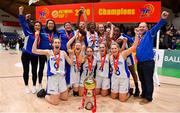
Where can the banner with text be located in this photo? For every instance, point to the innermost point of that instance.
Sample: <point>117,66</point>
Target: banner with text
<point>102,12</point>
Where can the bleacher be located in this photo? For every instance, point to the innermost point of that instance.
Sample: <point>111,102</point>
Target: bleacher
<point>10,35</point>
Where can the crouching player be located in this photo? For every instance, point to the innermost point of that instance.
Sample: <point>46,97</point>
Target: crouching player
<point>120,74</point>
<point>56,84</point>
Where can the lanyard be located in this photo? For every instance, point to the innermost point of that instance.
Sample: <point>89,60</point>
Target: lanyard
<point>57,59</point>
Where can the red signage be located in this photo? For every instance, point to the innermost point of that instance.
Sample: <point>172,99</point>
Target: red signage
<point>117,12</point>
<point>10,23</point>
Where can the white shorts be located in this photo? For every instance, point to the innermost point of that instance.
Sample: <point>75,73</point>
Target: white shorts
<point>102,82</point>
<point>56,84</point>
<point>119,85</point>
<point>130,60</point>
<point>75,79</point>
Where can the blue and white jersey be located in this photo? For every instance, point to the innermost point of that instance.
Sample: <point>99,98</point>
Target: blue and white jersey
<point>51,65</point>
<point>103,72</point>
<point>122,69</point>
<point>85,68</point>
<point>74,69</point>
<point>95,44</point>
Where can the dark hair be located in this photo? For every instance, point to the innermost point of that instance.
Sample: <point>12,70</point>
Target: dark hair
<point>88,25</point>
<point>46,28</point>
<point>66,23</point>
<point>33,30</point>
<point>98,29</point>
<point>55,39</point>
<point>90,48</point>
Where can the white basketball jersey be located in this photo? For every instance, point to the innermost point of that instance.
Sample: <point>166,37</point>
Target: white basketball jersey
<point>52,64</point>
<point>103,72</point>
<point>74,69</point>
<point>85,67</point>
<point>122,69</point>
<point>95,44</point>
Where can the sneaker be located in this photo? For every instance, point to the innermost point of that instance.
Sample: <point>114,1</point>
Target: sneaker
<point>27,90</point>
<point>144,101</point>
<point>34,89</point>
<point>136,93</point>
<point>131,91</point>
<point>40,87</point>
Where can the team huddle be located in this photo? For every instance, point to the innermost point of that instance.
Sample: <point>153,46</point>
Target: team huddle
<point>91,50</point>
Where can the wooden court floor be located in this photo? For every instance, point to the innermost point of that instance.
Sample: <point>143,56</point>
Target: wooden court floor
<point>13,98</point>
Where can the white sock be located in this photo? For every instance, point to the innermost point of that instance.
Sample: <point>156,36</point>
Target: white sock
<point>34,89</point>
<point>27,90</point>
<point>40,86</point>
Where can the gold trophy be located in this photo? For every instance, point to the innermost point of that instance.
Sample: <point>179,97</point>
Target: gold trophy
<point>89,95</point>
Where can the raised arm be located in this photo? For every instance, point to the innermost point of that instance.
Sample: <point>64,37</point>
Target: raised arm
<point>112,30</point>
<point>34,48</point>
<point>71,41</point>
<point>85,17</point>
<point>127,52</point>
<point>69,60</point>
<point>23,22</point>
<point>161,23</point>
<point>78,17</point>
<point>129,38</point>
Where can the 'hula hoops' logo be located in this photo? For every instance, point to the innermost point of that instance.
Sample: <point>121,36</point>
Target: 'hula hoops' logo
<point>147,10</point>
<point>44,13</point>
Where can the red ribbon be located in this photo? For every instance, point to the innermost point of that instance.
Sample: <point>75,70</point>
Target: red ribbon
<point>94,95</point>
<point>101,38</point>
<point>103,59</point>
<point>68,36</point>
<point>50,37</point>
<point>90,64</point>
<point>93,38</point>
<point>84,98</point>
<point>115,61</point>
<point>57,59</point>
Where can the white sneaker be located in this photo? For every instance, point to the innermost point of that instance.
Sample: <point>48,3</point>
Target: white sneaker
<point>34,89</point>
<point>27,90</point>
<point>40,86</point>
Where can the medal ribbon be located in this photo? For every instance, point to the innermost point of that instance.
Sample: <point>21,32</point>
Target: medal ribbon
<point>115,61</point>
<point>57,59</point>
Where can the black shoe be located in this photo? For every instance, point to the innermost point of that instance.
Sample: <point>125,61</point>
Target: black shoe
<point>131,91</point>
<point>41,93</point>
<point>144,101</point>
<point>142,96</point>
<point>136,94</point>
<point>75,93</point>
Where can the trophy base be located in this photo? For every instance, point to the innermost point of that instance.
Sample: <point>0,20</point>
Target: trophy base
<point>89,106</point>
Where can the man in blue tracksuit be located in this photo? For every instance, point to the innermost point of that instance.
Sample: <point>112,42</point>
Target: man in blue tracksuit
<point>145,55</point>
